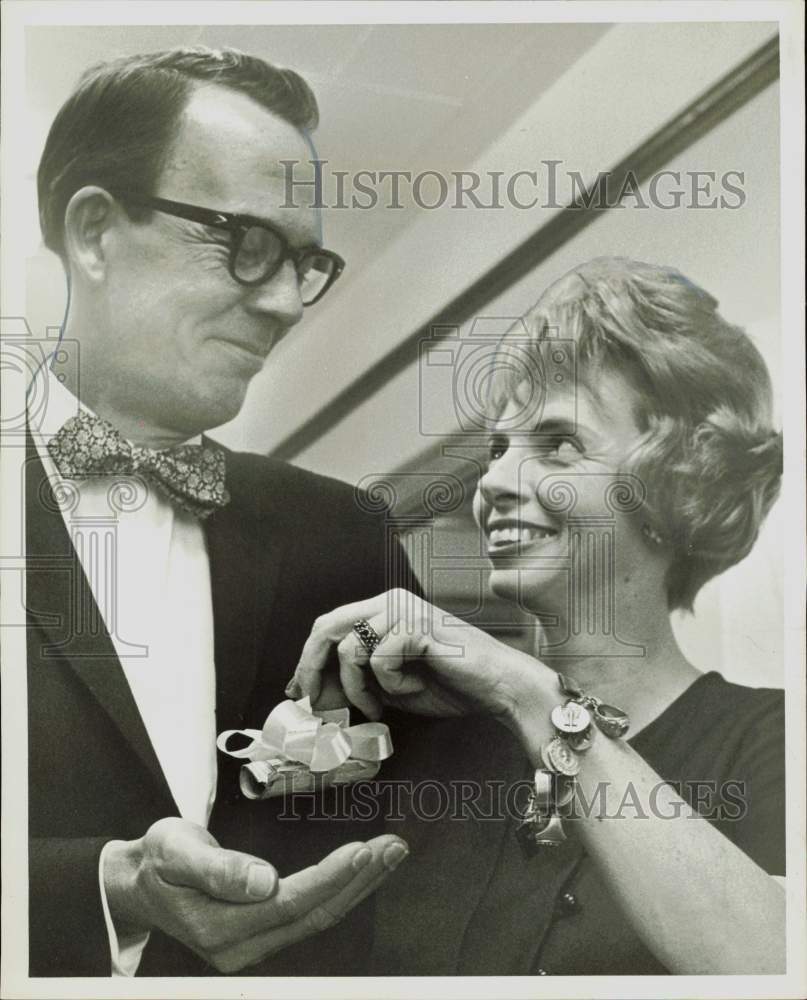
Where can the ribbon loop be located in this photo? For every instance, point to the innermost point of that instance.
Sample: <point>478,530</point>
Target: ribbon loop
<point>300,750</point>
<point>370,741</point>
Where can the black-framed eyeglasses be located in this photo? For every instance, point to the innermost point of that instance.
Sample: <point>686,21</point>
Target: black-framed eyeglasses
<point>257,249</point>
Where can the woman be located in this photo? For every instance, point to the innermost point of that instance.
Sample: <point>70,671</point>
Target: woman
<point>609,500</point>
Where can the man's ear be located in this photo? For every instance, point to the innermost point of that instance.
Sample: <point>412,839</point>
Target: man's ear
<point>89,215</point>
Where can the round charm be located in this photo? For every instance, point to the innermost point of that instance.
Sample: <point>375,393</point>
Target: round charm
<point>545,758</point>
<point>611,721</point>
<point>561,757</point>
<point>571,717</point>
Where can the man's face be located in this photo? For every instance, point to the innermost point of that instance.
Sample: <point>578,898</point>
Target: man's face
<point>183,338</point>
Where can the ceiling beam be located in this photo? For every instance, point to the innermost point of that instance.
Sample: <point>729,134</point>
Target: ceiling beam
<point>731,92</point>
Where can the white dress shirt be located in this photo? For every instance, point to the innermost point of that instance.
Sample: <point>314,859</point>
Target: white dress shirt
<point>151,583</point>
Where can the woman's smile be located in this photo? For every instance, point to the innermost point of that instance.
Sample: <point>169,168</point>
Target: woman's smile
<point>511,537</point>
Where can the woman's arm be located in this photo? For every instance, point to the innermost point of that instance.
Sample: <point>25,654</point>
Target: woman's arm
<point>699,903</point>
<point>696,900</point>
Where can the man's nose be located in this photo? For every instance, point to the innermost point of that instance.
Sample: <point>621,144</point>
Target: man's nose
<point>279,297</point>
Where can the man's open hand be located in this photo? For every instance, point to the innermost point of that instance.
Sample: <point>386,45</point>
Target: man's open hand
<point>232,908</point>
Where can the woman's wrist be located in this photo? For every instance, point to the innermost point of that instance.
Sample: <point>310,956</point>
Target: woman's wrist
<point>528,713</point>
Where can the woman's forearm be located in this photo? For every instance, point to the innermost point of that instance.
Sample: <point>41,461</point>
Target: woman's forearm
<point>696,900</point>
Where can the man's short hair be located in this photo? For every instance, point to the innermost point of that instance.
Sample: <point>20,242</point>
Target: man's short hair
<point>116,129</point>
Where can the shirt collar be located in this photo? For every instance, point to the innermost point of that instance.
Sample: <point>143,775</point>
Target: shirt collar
<point>51,404</point>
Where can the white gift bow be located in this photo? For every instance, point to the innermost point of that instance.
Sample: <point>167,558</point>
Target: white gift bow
<point>299,749</point>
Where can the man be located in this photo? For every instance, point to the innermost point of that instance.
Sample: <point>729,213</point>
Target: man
<point>160,189</point>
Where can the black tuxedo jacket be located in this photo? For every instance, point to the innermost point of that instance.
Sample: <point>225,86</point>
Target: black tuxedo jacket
<point>289,546</point>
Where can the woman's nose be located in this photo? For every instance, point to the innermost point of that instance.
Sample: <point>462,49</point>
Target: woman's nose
<point>506,481</point>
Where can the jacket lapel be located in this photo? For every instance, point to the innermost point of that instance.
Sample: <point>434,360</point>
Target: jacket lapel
<point>245,546</point>
<point>65,622</point>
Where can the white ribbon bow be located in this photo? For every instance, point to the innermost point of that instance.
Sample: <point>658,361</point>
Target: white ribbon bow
<point>299,750</point>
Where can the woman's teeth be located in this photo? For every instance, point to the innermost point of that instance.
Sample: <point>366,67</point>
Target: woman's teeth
<point>507,536</point>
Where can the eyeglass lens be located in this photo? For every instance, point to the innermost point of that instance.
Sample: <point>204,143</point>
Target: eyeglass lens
<point>260,253</point>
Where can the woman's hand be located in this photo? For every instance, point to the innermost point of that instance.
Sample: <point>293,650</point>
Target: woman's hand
<point>428,662</point>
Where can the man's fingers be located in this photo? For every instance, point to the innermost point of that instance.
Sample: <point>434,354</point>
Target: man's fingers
<point>185,854</point>
<point>214,899</point>
<point>349,868</point>
<point>249,952</point>
<point>387,853</point>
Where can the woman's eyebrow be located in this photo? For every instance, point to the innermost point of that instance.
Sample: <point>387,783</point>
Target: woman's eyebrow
<point>560,426</point>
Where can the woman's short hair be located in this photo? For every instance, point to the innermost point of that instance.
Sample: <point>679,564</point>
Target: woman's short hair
<point>116,128</point>
<point>709,457</point>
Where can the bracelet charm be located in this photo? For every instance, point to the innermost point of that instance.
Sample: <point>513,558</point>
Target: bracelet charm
<point>571,717</point>
<point>559,757</point>
<point>612,722</point>
<point>575,721</point>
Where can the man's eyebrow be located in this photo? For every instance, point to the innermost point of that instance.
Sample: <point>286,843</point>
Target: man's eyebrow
<point>270,224</point>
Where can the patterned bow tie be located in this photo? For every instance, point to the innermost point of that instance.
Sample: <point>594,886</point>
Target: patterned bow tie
<point>191,476</point>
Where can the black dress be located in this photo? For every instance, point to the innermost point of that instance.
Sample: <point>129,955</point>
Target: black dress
<point>468,901</point>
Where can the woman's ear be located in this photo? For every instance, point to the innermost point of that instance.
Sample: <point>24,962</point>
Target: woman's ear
<point>89,214</point>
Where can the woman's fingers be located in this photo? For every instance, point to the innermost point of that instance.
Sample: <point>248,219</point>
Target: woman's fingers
<point>356,676</point>
<point>362,671</point>
<point>327,630</point>
<point>391,663</point>
<point>402,622</point>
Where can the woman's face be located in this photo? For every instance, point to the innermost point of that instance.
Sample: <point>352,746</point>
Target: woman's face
<point>558,517</point>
